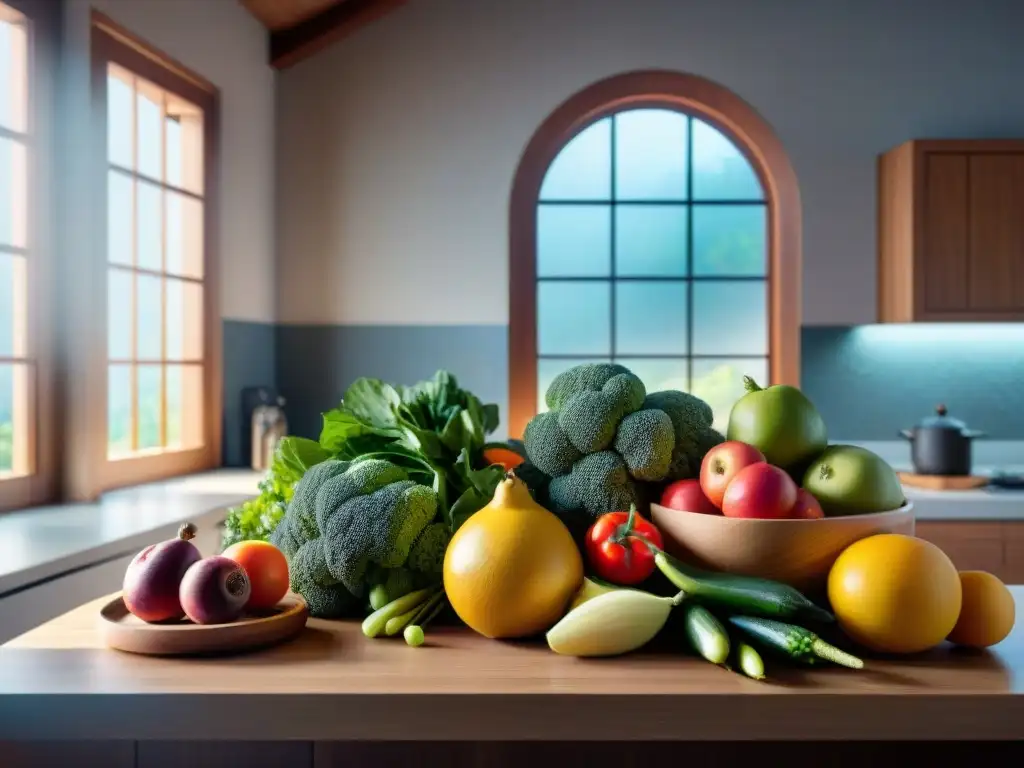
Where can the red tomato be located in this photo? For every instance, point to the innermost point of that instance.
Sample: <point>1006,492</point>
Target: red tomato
<point>614,551</point>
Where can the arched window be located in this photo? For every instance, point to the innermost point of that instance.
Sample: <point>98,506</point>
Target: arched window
<point>655,222</point>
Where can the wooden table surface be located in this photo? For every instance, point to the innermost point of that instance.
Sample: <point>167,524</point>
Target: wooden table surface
<point>58,681</point>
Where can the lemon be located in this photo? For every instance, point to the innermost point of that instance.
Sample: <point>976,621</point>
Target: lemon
<point>987,613</point>
<point>895,594</point>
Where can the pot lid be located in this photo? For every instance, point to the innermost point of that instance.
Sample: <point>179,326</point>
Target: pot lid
<point>941,421</point>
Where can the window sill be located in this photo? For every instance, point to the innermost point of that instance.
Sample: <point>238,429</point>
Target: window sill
<point>42,543</point>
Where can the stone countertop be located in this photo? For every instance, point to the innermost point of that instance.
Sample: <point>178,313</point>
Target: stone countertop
<point>43,542</point>
<point>58,681</point>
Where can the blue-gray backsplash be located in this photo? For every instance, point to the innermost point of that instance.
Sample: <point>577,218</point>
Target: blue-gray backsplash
<point>868,381</point>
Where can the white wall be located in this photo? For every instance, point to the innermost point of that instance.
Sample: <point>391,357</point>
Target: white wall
<point>219,40</point>
<point>397,147</point>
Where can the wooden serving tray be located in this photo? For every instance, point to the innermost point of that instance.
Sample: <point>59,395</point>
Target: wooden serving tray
<point>943,482</point>
<point>122,630</point>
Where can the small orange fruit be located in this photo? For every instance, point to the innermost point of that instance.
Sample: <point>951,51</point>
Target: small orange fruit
<point>267,568</point>
<point>987,613</point>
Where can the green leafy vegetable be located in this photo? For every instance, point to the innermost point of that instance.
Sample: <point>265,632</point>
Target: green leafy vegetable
<point>256,518</point>
<point>434,429</point>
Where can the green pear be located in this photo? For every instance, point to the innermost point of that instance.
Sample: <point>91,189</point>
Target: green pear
<point>850,480</point>
<point>781,422</point>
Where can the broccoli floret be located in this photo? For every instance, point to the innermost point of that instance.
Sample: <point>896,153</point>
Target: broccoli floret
<point>688,412</point>
<point>547,447</point>
<point>345,517</point>
<point>301,514</point>
<point>691,420</point>
<point>310,577</point>
<point>645,440</point>
<point>595,377</point>
<point>598,483</point>
<point>591,400</point>
<point>427,555</point>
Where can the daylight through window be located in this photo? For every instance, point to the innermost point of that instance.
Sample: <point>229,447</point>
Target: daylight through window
<point>155,268</point>
<point>17,366</point>
<point>652,252</point>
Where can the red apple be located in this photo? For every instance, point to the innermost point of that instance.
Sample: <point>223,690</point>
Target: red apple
<point>687,496</point>
<point>721,464</point>
<point>760,490</point>
<point>806,507</point>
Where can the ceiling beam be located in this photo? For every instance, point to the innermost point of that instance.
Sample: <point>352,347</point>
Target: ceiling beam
<point>292,45</point>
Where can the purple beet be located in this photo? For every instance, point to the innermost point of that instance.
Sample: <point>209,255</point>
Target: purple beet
<point>215,590</point>
<point>153,577</point>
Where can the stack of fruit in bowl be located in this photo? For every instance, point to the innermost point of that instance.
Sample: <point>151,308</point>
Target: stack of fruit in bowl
<point>775,500</point>
<point>777,464</point>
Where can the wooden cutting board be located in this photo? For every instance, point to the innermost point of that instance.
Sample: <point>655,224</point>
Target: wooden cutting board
<point>943,482</point>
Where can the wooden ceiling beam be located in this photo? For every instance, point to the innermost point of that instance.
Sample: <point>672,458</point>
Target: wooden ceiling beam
<point>292,45</point>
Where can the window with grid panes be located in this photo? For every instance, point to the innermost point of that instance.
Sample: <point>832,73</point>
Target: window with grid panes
<point>652,252</point>
<point>17,363</point>
<point>155,269</point>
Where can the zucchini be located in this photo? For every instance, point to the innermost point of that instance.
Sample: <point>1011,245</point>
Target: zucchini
<point>795,642</point>
<point>745,594</point>
<point>706,634</point>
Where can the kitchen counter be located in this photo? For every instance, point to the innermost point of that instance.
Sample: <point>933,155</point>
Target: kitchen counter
<point>42,543</point>
<point>330,683</point>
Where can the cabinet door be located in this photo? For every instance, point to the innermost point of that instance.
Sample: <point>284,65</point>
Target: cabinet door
<point>971,546</point>
<point>995,277</point>
<point>945,220</point>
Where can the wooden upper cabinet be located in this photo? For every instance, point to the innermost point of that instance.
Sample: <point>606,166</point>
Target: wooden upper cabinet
<point>951,232</point>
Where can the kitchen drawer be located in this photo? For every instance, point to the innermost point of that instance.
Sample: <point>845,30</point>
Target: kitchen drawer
<point>971,546</point>
<point>1013,553</point>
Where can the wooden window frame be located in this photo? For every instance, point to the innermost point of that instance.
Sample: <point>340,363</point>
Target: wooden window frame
<point>94,471</point>
<point>709,102</point>
<point>40,484</point>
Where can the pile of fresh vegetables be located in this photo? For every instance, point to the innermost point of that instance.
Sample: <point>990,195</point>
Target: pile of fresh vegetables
<point>724,618</point>
<point>365,513</point>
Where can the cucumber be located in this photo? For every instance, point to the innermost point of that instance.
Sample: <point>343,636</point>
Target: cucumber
<point>795,642</point>
<point>706,634</point>
<point>745,594</point>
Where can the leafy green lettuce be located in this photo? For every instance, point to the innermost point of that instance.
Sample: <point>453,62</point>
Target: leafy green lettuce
<point>257,518</point>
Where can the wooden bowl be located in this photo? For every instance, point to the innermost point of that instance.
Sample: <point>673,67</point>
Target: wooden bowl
<point>797,552</point>
<point>122,630</point>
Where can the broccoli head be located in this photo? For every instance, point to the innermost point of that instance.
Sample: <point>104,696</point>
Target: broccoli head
<point>360,513</point>
<point>606,443</point>
<point>427,555</point>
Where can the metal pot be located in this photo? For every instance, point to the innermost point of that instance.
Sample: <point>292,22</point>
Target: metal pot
<point>941,445</point>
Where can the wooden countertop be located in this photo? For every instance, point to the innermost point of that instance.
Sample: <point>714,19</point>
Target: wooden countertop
<point>59,682</point>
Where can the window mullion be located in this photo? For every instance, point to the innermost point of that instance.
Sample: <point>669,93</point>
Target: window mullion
<point>133,385</point>
<point>163,269</point>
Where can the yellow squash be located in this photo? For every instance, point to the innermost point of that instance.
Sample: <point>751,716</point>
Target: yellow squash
<point>512,568</point>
